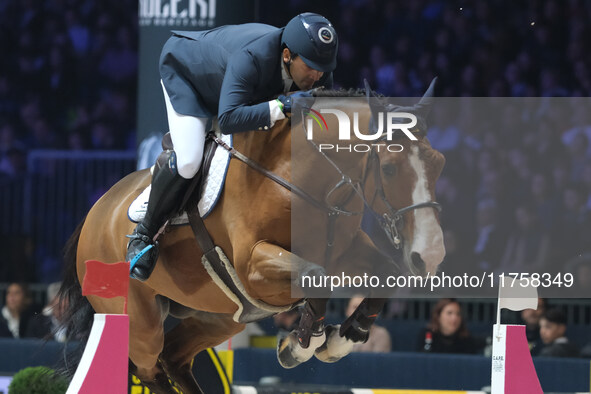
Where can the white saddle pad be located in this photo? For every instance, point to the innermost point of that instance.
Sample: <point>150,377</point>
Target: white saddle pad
<point>212,189</point>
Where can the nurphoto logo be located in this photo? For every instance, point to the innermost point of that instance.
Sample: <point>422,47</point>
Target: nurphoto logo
<point>387,124</point>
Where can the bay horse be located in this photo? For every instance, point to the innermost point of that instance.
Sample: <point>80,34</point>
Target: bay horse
<point>253,224</point>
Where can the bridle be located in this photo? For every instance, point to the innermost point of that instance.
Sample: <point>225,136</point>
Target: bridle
<point>391,221</point>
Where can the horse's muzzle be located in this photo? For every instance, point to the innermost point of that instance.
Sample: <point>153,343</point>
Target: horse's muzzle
<point>418,266</point>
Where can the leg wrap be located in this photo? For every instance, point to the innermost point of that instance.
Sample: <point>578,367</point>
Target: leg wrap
<point>311,325</point>
<point>356,327</point>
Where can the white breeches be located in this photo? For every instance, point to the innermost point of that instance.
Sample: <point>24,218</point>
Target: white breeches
<point>188,138</point>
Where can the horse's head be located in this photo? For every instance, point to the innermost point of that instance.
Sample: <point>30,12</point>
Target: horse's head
<point>404,188</point>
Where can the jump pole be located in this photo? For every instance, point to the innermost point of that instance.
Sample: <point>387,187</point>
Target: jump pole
<point>513,370</point>
<point>103,367</point>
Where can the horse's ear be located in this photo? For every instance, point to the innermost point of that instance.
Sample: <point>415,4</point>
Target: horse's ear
<point>368,92</point>
<point>374,105</point>
<point>423,107</point>
<point>374,101</point>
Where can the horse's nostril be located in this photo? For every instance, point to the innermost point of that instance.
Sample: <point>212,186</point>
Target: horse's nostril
<point>418,265</point>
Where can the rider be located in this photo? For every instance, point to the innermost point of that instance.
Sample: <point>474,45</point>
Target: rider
<point>232,72</point>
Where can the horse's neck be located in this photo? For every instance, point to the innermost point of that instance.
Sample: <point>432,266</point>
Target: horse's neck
<point>263,146</point>
<point>285,151</point>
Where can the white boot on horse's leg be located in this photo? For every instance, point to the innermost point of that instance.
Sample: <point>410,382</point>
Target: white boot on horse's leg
<point>299,346</point>
<point>290,352</point>
<point>335,347</point>
<point>355,329</point>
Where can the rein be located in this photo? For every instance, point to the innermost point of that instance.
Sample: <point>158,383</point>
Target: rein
<point>274,177</point>
<point>391,222</point>
<point>332,211</point>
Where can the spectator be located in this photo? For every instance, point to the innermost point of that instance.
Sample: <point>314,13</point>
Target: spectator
<point>545,205</point>
<point>528,245</point>
<point>46,324</point>
<point>379,340</point>
<point>531,318</point>
<point>4,331</point>
<point>552,333</point>
<point>447,332</point>
<point>285,322</point>
<point>7,136</point>
<point>119,62</point>
<point>17,312</point>
<point>573,224</point>
<point>444,135</point>
<point>490,238</point>
<point>578,155</point>
<point>580,268</point>
<point>14,163</point>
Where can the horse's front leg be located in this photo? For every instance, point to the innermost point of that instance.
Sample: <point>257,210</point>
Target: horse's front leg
<point>274,275</point>
<point>146,337</point>
<point>196,332</point>
<point>340,339</point>
<point>361,258</point>
<point>302,343</point>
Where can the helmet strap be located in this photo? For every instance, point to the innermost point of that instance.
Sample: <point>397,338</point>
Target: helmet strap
<point>287,64</point>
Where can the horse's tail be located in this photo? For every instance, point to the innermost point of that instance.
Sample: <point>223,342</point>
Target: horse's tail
<point>77,313</point>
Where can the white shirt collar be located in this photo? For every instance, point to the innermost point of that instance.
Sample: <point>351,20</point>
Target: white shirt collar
<point>12,322</point>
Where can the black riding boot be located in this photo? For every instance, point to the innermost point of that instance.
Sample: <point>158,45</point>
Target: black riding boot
<point>168,188</point>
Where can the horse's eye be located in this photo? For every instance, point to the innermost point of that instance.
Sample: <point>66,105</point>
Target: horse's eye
<point>389,169</point>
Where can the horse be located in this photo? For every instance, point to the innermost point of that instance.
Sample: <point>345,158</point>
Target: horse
<point>253,225</point>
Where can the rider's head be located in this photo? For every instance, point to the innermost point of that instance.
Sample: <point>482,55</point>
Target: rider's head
<point>310,46</point>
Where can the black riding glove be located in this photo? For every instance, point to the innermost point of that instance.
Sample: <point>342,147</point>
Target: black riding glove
<point>285,102</point>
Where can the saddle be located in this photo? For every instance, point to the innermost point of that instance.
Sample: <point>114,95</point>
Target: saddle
<point>206,190</point>
<point>216,263</point>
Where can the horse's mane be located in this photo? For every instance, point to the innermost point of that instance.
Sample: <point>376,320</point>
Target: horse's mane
<point>342,93</point>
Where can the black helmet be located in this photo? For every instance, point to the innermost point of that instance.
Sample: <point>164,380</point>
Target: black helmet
<point>312,37</point>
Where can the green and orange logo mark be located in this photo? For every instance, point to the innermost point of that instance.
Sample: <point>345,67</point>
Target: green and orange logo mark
<point>317,118</point>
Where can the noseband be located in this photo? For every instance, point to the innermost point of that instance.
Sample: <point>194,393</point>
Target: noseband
<point>392,221</point>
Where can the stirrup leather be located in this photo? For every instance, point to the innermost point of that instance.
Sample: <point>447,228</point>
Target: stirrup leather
<point>135,235</point>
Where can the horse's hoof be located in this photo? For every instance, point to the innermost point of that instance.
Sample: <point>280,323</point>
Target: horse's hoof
<point>335,347</point>
<point>291,354</point>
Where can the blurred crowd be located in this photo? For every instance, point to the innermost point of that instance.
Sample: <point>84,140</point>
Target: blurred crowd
<point>21,317</point>
<point>514,197</point>
<point>516,189</point>
<point>447,330</point>
<point>68,77</point>
<point>477,48</point>
<point>69,72</point>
